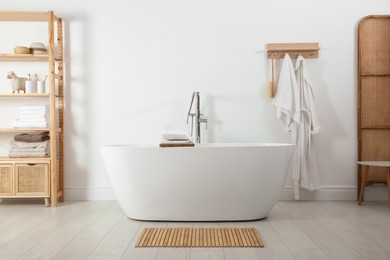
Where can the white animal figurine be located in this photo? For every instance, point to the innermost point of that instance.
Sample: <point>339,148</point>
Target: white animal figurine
<point>17,83</point>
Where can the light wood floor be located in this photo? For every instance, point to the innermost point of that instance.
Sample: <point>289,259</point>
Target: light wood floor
<point>99,230</point>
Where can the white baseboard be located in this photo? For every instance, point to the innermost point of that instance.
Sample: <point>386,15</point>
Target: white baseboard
<point>337,192</point>
<point>82,193</point>
<point>334,192</point>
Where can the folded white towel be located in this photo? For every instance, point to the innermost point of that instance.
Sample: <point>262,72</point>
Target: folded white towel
<point>20,124</point>
<point>34,108</point>
<point>175,136</point>
<point>26,150</point>
<point>33,113</point>
<point>15,144</point>
<point>165,141</point>
<point>27,154</point>
<point>34,149</point>
<point>33,120</point>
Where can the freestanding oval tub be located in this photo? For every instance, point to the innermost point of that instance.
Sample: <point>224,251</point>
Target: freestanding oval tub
<point>208,182</point>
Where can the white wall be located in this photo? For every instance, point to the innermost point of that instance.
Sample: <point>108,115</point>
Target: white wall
<point>131,67</point>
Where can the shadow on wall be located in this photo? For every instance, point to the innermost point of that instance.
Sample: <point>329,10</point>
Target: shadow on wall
<point>212,118</point>
<point>231,122</point>
<point>77,104</point>
<point>327,141</point>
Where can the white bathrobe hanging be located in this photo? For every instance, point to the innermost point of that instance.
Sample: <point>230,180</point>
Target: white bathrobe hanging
<point>305,170</point>
<point>303,167</point>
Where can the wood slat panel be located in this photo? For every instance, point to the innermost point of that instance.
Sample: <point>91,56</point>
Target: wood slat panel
<point>140,242</point>
<point>199,237</point>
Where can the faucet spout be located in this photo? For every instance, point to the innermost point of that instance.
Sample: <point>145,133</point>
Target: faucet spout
<point>197,117</point>
<point>189,110</point>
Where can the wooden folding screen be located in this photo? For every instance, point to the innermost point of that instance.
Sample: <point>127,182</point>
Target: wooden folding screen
<point>374,94</point>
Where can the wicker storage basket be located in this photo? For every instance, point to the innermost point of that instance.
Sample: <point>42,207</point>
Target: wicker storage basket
<point>6,179</point>
<point>32,179</point>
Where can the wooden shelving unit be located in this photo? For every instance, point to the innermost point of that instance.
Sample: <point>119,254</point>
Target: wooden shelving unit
<point>45,173</point>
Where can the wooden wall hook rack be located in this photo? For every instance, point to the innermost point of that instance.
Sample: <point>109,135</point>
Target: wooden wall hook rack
<point>308,50</point>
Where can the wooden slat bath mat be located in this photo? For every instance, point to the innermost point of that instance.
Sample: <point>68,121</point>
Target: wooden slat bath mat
<point>199,237</point>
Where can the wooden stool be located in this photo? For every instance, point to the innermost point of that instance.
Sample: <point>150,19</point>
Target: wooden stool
<point>366,165</point>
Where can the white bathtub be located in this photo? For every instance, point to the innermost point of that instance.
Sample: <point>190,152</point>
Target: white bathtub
<point>208,182</point>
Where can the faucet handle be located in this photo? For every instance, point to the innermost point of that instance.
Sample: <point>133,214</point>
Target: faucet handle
<point>203,120</point>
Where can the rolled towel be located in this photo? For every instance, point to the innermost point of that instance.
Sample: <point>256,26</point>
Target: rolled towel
<point>32,137</point>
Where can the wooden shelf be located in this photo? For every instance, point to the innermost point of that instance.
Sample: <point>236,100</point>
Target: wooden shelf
<point>25,16</point>
<point>19,130</point>
<point>22,95</point>
<point>24,57</point>
<point>6,158</point>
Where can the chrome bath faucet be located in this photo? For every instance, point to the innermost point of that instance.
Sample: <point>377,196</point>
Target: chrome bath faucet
<point>196,118</point>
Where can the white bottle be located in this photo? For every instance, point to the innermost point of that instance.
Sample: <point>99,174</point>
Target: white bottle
<point>29,85</point>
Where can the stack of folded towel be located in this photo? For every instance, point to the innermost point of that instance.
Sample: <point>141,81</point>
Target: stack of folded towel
<point>175,135</point>
<point>30,145</point>
<point>176,142</point>
<point>30,138</point>
<point>33,116</point>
